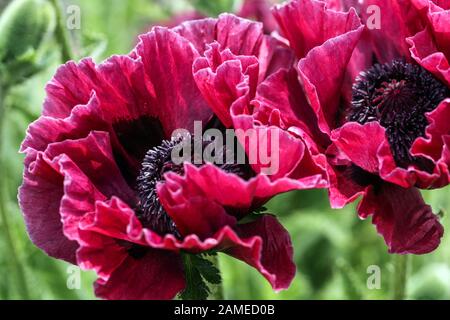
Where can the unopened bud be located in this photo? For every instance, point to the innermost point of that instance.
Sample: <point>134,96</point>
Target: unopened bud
<point>24,25</point>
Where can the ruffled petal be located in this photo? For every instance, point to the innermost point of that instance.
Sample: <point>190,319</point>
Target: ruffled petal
<point>39,199</point>
<point>236,195</point>
<point>127,269</point>
<point>323,81</point>
<point>240,36</point>
<point>361,143</point>
<point>347,181</point>
<point>435,144</point>
<point>424,4</point>
<point>439,127</point>
<point>415,175</point>
<point>79,197</point>
<point>367,147</point>
<point>279,154</point>
<point>398,19</point>
<point>199,32</point>
<point>167,59</point>
<point>224,78</point>
<point>282,92</point>
<point>407,224</point>
<point>63,184</point>
<point>424,52</point>
<point>259,10</point>
<point>277,142</point>
<point>263,243</point>
<point>94,156</point>
<point>308,24</point>
<point>156,276</point>
<point>266,246</point>
<point>138,110</point>
<point>71,85</point>
<point>117,82</point>
<point>130,140</point>
<point>118,105</point>
<point>193,213</point>
<point>439,20</point>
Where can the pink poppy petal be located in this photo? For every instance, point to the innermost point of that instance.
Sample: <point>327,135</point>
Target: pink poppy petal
<point>224,78</point>
<point>237,196</point>
<point>259,10</point>
<point>39,199</point>
<point>308,24</point>
<point>93,155</point>
<point>360,143</point>
<point>156,276</point>
<point>424,52</point>
<point>323,81</point>
<point>167,58</point>
<point>407,224</point>
<point>266,246</point>
<point>282,91</point>
<point>240,36</point>
<point>347,182</point>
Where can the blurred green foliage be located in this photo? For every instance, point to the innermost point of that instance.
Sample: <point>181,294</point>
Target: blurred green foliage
<point>333,249</point>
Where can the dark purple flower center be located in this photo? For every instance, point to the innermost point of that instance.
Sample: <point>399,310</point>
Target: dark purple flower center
<point>157,162</point>
<point>398,95</point>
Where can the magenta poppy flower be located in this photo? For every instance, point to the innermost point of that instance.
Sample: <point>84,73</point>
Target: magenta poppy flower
<point>100,189</point>
<point>374,101</point>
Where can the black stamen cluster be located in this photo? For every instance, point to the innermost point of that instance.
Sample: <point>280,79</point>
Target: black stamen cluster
<point>397,95</point>
<point>156,163</point>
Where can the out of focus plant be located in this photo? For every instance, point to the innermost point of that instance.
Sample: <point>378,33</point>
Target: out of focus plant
<point>213,7</point>
<point>25,26</point>
<point>431,283</point>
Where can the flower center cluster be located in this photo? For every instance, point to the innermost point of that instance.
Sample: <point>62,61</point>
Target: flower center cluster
<point>397,95</point>
<point>157,162</point>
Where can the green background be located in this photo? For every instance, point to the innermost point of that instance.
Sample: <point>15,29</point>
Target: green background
<point>333,249</point>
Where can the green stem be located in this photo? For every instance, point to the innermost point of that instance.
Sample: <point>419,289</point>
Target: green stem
<point>217,289</point>
<point>4,199</point>
<point>401,265</point>
<point>62,35</point>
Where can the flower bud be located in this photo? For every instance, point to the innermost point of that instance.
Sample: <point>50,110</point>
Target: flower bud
<point>24,25</point>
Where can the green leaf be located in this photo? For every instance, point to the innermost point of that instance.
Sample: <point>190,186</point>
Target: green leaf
<point>198,272</point>
<point>207,269</point>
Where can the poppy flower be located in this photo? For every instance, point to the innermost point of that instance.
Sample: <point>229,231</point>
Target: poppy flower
<point>374,101</point>
<point>100,189</point>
